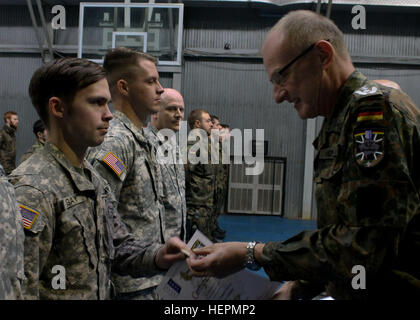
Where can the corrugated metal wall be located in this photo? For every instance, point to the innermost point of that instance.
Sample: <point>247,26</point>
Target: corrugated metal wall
<point>15,74</point>
<point>240,95</point>
<point>238,90</point>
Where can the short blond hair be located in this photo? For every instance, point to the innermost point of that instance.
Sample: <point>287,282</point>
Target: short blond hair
<point>8,115</point>
<point>196,114</point>
<point>302,28</point>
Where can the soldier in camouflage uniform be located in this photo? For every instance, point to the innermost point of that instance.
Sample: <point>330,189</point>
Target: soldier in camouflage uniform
<point>200,176</point>
<point>68,210</point>
<point>11,244</point>
<point>221,178</point>
<point>168,155</point>
<point>366,174</point>
<point>40,132</point>
<point>8,141</point>
<point>126,160</point>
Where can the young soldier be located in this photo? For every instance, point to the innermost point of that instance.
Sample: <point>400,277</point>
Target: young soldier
<point>68,211</point>
<point>8,141</point>
<point>200,178</point>
<point>40,132</point>
<point>135,89</point>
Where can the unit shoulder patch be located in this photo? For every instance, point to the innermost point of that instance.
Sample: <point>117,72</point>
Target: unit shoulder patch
<point>368,146</point>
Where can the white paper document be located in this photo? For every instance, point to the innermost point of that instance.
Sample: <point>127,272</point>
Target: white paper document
<point>179,284</point>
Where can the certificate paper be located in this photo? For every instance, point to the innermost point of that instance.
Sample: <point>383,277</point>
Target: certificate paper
<point>179,284</point>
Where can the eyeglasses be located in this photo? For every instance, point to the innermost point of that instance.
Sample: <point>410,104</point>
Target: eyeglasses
<point>278,76</point>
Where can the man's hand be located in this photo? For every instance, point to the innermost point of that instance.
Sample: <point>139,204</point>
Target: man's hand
<point>285,292</point>
<point>172,251</point>
<point>219,259</point>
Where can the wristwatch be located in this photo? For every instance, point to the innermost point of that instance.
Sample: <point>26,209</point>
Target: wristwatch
<point>250,262</point>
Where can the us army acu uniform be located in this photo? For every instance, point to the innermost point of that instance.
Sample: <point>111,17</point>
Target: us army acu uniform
<point>70,220</point>
<point>34,148</point>
<point>200,183</point>
<point>126,161</point>
<point>367,190</point>
<point>8,148</point>
<point>11,244</point>
<point>172,175</point>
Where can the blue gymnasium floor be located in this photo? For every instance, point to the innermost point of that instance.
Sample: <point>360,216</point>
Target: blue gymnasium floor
<point>262,228</point>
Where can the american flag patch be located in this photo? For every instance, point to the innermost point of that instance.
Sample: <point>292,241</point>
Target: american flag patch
<point>28,216</point>
<point>114,163</point>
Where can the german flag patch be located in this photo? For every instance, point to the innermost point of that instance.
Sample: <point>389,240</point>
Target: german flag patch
<point>28,216</point>
<point>369,116</point>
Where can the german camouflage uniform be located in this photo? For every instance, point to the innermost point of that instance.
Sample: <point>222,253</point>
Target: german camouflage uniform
<point>368,183</point>
<point>11,244</point>
<point>70,219</point>
<point>136,185</point>
<point>222,172</point>
<point>35,147</point>
<point>173,182</point>
<point>200,183</point>
<point>8,148</point>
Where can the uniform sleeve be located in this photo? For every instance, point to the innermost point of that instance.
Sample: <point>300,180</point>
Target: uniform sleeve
<point>11,242</point>
<point>374,200</point>
<point>37,215</point>
<point>113,160</point>
<point>132,257</point>
<point>200,180</point>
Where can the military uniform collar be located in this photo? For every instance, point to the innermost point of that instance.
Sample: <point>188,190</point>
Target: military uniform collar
<point>153,130</point>
<point>340,111</point>
<point>353,82</point>
<point>138,133</point>
<point>11,131</point>
<point>80,181</point>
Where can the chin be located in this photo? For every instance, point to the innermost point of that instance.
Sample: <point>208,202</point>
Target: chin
<point>96,142</point>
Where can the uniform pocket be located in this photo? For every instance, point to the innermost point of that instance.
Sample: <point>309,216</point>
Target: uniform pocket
<point>327,163</point>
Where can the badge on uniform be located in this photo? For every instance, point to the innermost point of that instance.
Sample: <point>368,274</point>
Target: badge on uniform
<point>368,147</point>
<point>114,163</point>
<point>28,216</point>
<point>370,116</point>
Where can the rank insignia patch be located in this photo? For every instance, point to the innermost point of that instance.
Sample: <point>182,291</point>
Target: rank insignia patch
<point>114,163</point>
<point>28,216</point>
<point>368,147</point>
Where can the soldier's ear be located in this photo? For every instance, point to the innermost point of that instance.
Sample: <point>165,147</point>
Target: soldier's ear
<point>325,52</point>
<point>56,107</point>
<point>122,87</point>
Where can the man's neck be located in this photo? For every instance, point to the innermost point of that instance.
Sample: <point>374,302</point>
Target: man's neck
<point>139,120</point>
<point>338,77</point>
<point>74,153</point>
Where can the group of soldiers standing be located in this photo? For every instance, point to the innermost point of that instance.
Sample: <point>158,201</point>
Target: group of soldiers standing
<point>95,199</point>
